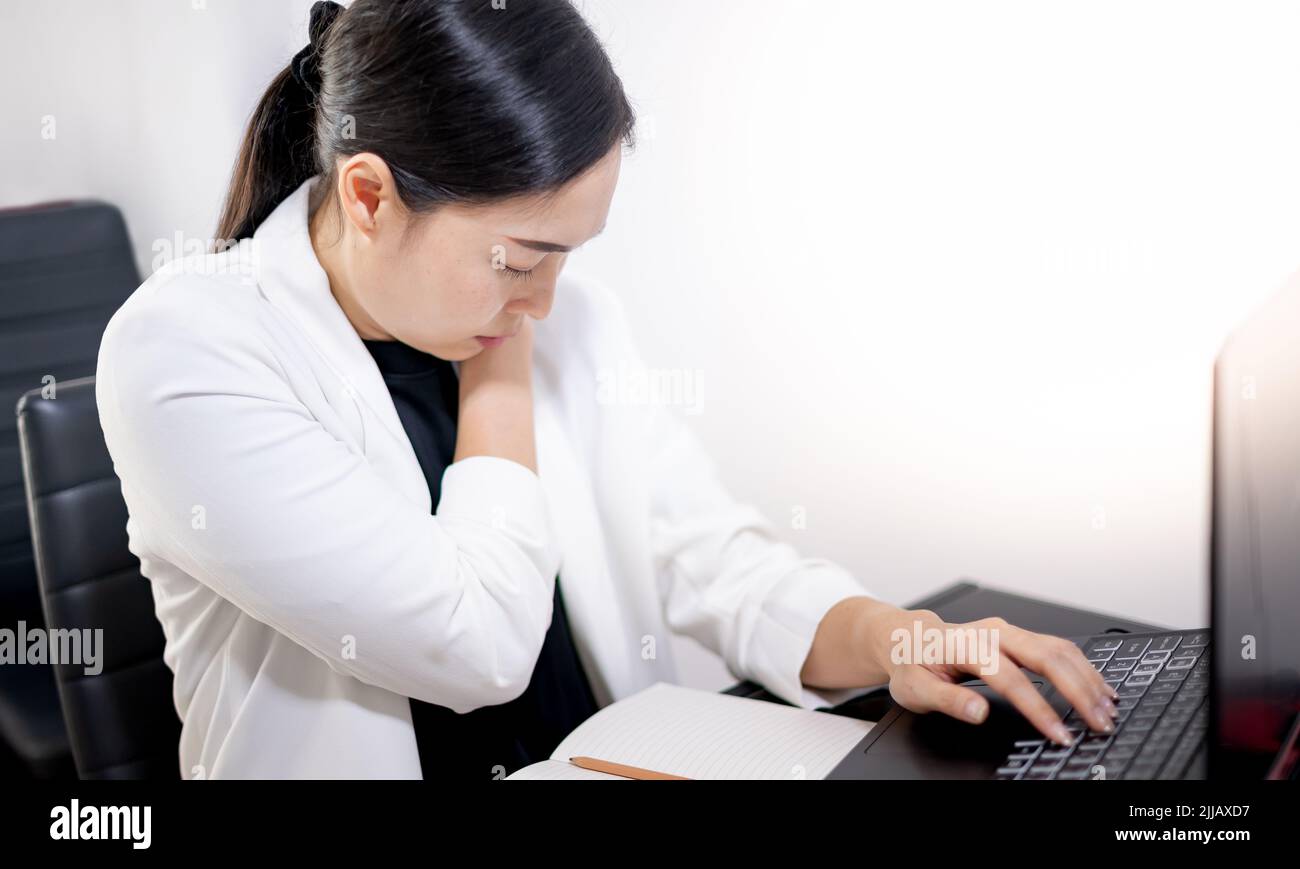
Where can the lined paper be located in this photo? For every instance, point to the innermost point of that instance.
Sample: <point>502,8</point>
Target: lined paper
<point>705,735</point>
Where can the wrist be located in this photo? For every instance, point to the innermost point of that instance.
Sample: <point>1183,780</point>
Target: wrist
<point>852,645</point>
<point>878,629</point>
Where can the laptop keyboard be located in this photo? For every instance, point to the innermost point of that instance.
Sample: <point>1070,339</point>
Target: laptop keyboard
<point>1163,684</point>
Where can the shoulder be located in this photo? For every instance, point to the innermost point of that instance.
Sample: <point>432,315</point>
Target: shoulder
<point>194,325</point>
<point>587,292</point>
<point>587,316</point>
<point>197,300</point>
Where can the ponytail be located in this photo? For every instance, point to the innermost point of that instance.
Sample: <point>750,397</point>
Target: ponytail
<point>279,149</point>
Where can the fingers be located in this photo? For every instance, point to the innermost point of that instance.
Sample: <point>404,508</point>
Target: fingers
<point>1016,687</point>
<point>921,690</point>
<point>932,687</point>
<point>1063,663</point>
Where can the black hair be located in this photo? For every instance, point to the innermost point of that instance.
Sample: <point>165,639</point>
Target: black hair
<point>467,101</point>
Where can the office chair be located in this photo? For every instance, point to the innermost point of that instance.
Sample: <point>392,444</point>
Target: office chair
<point>65,267</point>
<point>122,721</point>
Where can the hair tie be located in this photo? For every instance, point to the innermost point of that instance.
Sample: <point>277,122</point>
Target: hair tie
<point>305,66</point>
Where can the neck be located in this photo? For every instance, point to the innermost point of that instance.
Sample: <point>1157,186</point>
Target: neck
<point>337,265</point>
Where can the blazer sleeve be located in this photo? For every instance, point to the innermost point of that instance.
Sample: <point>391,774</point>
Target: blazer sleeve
<point>723,576</point>
<point>241,487</point>
<point>728,582</point>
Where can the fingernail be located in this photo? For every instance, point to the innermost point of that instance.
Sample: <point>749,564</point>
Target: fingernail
<point>1109,707</point>
<point>1061,734</point>
<point>975,711</point>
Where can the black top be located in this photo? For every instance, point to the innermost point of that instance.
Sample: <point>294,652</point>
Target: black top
<point>479,743</point>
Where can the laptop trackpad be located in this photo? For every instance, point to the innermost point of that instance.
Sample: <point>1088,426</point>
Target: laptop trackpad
<point>940,746</point>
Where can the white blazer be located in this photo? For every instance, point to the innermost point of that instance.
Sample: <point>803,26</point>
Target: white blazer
<point>305,587</point>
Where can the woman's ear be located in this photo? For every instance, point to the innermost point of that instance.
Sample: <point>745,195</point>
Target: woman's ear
<point>368,194</point>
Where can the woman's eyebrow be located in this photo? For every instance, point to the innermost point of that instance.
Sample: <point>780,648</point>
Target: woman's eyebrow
<point>547,246</point>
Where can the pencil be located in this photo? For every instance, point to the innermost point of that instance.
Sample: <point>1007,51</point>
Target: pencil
<point>622,769</point>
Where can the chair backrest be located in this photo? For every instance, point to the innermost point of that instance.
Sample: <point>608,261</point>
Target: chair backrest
<point>65,267</point>
<point>121,719</point>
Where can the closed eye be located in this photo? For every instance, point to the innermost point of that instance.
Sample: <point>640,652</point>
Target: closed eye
<point>517,274</point>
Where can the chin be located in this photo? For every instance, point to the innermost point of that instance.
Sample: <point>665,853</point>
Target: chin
<point>460,352</point>
<point>457,351</point>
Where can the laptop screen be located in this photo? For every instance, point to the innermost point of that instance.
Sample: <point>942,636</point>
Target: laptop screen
<point>1255,540</point>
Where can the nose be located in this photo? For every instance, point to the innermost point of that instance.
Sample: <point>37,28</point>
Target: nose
<point>535,299</point>
<point>536,303</point>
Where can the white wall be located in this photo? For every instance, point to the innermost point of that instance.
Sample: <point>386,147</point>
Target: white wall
<point>954,274</point>
<point>149,100</point>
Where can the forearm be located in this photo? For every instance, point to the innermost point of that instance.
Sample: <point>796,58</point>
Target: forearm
<point>496,402</point>
<point>851,645</point>
<point>496,419</point>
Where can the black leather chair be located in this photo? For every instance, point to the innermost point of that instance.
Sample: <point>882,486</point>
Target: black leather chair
<point>65,267</point>
<point>122,721</point>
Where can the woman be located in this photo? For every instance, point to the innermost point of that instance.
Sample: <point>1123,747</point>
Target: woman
<point>391,528</point>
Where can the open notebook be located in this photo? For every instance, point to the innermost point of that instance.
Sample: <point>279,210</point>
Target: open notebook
<point>703,735</point>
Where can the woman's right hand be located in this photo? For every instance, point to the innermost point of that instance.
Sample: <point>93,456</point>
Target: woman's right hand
<point>496,401</point>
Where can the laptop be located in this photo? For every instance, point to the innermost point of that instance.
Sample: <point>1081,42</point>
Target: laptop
<point>1221,702</point>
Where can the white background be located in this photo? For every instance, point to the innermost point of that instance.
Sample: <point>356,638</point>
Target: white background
<point>953,274</point>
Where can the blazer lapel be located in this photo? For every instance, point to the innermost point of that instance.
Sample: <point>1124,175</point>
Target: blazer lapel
<point>292,279</point>
<point>592,601</point>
